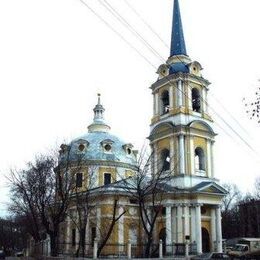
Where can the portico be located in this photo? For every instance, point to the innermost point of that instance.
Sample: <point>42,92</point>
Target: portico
<point>183,222</point>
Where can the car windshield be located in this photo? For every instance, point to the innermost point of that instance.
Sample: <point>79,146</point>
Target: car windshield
<point>239,248</point>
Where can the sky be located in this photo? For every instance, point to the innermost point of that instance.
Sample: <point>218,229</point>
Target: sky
<point>56,55</point>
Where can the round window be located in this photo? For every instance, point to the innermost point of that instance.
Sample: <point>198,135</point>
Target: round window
<point>108,147</point>
<point>81,147</point>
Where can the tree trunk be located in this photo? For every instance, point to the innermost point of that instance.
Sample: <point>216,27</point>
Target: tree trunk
<point>148,247</point>
<point>54,244</point>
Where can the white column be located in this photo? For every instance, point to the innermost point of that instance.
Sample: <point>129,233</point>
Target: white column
<point>203,100</point>
<point>121,226</point>
<point>207,107</point>
<point>98,222</point>
<point>193,224</point>
<point>154,105</point>
<point>155,157</point>
<point>212,159</point>
<point>180,101</point>
<point>198,228</point>
<point>174,224</point>
<point>87,236</point>
<point>172,155</point>
<point>68,234</point>
<point>189,98</point>
<point>171,95</point>
<point>168,227</point>
<point>179,224</point>
<point>186,214</point>
<point>181,154</point>
<point>192,158</point>
<point>218,230</point>
<point>208,158</point>
<point>213,228</point>
<point>156,101</point>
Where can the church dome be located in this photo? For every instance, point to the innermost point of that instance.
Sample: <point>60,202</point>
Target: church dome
<point>178,67</point>
<point>99,146</point>
<point>103,146</point>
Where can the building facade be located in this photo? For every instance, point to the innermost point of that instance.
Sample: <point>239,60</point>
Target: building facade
<point>182,131</point>
<point>182,143</point>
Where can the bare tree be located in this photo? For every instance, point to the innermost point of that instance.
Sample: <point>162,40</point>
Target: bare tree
<point>232,198</point>
<point>42,192</point>
<point>253,105</point>
<point>230,211</point>
<point>83,200</point>
<point>257,188</point>
<point>108,226</point>
<point>149,188</point>
<point>22,190</point>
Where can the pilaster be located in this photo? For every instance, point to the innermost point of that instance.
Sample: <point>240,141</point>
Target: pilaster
<point>181,154</point>
<point>179,224</point>
<point>169,226</point>
<point>198,228</point>
<point>213,229</point>
<point>180,96</point>
<point>219,231</point>
<point>209,157</point>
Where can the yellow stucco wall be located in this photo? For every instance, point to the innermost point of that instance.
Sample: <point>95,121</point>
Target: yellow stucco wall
<point>103,170</point>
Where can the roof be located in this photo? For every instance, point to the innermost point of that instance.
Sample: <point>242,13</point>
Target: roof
<point>178,46</point>
<point>99,144</point>
<point>208,187</point>
<point>95,151</point>
<point>178,67</point>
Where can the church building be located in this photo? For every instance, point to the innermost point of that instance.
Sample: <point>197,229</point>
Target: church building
<point>182,142</point>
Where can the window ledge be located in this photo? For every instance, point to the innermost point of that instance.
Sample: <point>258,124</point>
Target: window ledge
<point>201,173</point>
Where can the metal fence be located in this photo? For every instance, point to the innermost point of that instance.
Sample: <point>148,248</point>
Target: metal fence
<point>113,251</point>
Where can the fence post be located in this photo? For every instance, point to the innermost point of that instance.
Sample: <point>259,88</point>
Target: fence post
<point>186,248</point>
<point>160,249</point>
<point>95,248</point>
<point>129,253</point>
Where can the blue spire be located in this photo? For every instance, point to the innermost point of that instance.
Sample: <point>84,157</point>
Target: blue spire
<point>177,42</point>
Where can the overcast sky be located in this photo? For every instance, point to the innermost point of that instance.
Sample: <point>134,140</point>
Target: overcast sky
<point>55,56</point>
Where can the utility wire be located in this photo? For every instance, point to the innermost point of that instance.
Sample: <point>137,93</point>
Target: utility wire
<point>117,33</point>
<point>146,24</point>
<point>157,54</point>
<point>128,26</point>
<point>124,22</point>
<point>156,34</point>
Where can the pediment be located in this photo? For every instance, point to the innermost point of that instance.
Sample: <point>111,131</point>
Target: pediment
<point>209,187</point>
<point>200,125</point>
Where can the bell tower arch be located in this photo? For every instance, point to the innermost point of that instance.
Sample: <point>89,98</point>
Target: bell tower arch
<point>181,123</point>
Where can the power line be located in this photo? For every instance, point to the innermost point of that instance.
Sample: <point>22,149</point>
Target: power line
<point>128,26</point>
<point>146,24</point>
<point>117,33</point>
<point>123,21</point>
<point>165,44</point>
<point>133,31</point>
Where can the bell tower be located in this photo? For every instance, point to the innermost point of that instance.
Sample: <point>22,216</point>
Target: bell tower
<point>181,135</point>
<point>182,139</point>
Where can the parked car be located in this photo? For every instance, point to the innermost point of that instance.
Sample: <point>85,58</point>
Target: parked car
<point>2,254</point>
<point>19,254</point>
<point>252,255</point>
<point>244,247</point>
<point>212,255</point>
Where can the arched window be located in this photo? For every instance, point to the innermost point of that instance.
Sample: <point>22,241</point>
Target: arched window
<point>165,159</point>
<point>199,159</point>
<point>195,93</point>
<point>165,102</point>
